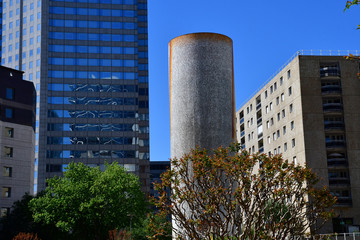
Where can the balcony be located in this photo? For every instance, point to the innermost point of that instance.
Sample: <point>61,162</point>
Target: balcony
<point>259,121</point>
<point>335,144</point>
<point>331,89</point>
<point>339,181</point>
<point>261,149</point>
<point>242,133</point>
<point>332,107</point>
<point>330,71</point>
<point>333,125</point>
<point>343,201</point>
<point>260,135</point>
<point>241,121</point>
<point>335,162</point>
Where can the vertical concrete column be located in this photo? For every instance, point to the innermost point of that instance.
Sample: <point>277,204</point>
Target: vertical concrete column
<point>202,104</point>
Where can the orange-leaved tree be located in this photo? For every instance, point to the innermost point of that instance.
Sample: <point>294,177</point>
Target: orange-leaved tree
<point>229,194</point>
<point>352,3</point>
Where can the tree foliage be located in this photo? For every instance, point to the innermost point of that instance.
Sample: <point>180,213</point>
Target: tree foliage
<point>20,221</point>
<point>230,194</point>
<point>88,202</point>
<point>352,3</point>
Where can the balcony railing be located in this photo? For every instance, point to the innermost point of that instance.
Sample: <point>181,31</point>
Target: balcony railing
<point>335,143</point>
<point>334,125</point>
<point>242,133</point>
<point>331,89</point>
<point>258,106</point>
<point>339,181</point>
<point>260,135</point>
<point>332,107</point>
<point>241,120</point>
<point>344,201</point>
<point>261,149</point>
<point>259,121</point>
<point>330,71</point>
<point>336,162</point>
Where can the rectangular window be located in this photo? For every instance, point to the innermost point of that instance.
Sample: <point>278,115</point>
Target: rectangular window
<point>282,97</point>
<point>293,142</point>
<point>281,81</point>
<point>283,113</point>
<point>274,136</point>
<point>290,108</point>
<point>271,121</point>
<point>267,109</point>
<point>278,133</point>
<point>277,101</point>
<point>267,124</point>
<point>269,139</point>
<point>10,93</point>
<point>271,106</point>
<point>290,91</point>
<point>7,171</point>
<point>292,125</point>
<point>278,116</point>
<point>4,211</point>
<point>279,149</point>
<point>8,151</point>
<point>285,147</point>
<point>9,113</point>
<point>9,132</point>
<point>6,192</point>
<point>266,94</point>
<point>271,89</point>
<point>284,130</point>
<point>294,160</point>
<point>275,86</point>
<point>288,74</point>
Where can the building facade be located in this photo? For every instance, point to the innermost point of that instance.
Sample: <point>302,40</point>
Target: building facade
<point>310,112</point>
<point>17,137</point>
<point>88,59</point>
<point>156,169</point>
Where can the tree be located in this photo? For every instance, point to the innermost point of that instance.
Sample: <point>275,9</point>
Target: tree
<point>88,203</point>
<point>230,194</point>
<point>20,220</point>
<point>352,3</point>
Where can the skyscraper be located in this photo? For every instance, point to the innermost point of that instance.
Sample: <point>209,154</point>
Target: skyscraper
<point>309,112</point>
<point>88,59</point>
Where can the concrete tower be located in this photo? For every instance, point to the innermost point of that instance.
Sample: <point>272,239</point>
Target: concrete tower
<point>201,92</point>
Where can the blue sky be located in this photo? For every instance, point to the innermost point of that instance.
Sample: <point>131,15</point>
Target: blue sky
<point>265,35</point>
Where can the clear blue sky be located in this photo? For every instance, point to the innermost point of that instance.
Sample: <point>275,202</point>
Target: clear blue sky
<point>265,35</point>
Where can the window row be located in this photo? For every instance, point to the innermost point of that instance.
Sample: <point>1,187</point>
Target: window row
<point>93,36</point>
<point>93,62</point>
<point>93,11</point>
<point>276,134</point>
<point>92,49</point>
<point>92,24</point>
<point>273,87</point>
<point>125,2</point>
<point>97,141</point>
<point>91,88</point>
<point>63,167</point>
<point>92,154</point>
<point>92,100</point>
<point>54,113</point>
<point>93,75</point>
<point>97,127</point>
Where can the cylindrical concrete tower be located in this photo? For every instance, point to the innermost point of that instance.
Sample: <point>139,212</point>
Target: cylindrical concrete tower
<point>202,104</point>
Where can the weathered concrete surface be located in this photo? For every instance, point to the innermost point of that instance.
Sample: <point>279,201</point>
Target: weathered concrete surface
<point>201,92</point>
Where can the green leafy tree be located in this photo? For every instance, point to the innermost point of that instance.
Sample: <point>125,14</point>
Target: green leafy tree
<point>229,194</point>
<point>88,202</point>
<point>352,3</point>
<point>20,220</point>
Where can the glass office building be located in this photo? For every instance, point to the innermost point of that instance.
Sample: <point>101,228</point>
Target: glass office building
<point>88,60</point>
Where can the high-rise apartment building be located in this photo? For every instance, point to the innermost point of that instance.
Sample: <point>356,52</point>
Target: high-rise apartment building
<point>310,113</point>
<point>88,59</point>
<point>17,137</point>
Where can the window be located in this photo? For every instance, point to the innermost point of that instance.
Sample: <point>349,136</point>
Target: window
<point>288,74</point>
<point>266,94</point>
<point>285,147</point>
<point>294,160</point>
<point>8,151</point>
<point>293,142</point>
<point>281,81</point>
<point>278,133</point>
<point>10,93</point>
<point>252,135</point>
<point>271,89</point>
<point>249,137</point>
<point>248,123</point>
<point>274,136</point>
<point>269,139</point>
<point>290,108</point>
<point>279,149</point>
<point>251,121</point>
<point>267,109</point>
<point>278,116</point>
<point>271,106</point>
<point>284,130</point>
<point>9,132</point>
<point>271,121</point>
<point>4,211</point>
<point>275,151</point>
<point>267,124</point>
<point>292,125</point>
<point>290,91</point>
<point>247,110</point>
<point>283,113</point>
<point>275,86</point>
<point>6,192</point>
<point>250,107</point>
<point>7,171</point>
<point>9,113</point>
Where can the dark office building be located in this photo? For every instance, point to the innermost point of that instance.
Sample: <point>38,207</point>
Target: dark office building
<point>17,137</point>
<point>156,169</point>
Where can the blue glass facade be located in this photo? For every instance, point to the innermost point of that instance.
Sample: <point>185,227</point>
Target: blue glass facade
<point>88,61</point>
